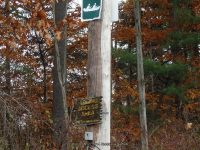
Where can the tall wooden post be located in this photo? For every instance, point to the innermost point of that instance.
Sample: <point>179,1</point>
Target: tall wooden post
<point>141,82</point>
<point>99,72</point>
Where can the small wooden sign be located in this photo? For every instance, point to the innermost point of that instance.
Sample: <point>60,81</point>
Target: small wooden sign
<point>88,111</point>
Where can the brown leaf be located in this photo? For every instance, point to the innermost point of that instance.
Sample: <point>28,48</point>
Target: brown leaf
<point>58,35</point>
<point>41,14</point>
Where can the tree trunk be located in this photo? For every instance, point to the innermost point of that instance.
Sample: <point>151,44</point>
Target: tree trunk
<point>42,58</point>
<point>60,116</point>
<point>8,78</point>
<point>7,61</point>
<point>141,82</point>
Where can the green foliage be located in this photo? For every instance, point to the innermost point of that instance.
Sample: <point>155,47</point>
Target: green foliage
<point>124,56</point>
<point>151,67</point>
<point>176,2</point>
<point>174,72</point>
<point>171,73</point>
<point>185,36</point>
<point>185,16</point>
<point>176,91</point>
<point>183,39</point>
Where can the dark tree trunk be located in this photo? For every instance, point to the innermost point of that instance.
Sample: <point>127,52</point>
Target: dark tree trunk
<point>42,58</point>
<point>59,81</point>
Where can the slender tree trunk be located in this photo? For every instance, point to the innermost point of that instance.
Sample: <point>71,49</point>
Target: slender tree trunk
<point>141,82</point>
<point>42,58</point>
<point>60,116</point>
<point>130,73</point>
<point>4,119</point>
<point>8,77</point>
<point>7,90</point>
<point>151,76</point>
<point>7,61</point>
<point>45,83</point>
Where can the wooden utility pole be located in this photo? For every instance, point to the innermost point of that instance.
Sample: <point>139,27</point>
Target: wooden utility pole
<point>141,82</point>
<point>99,72</point>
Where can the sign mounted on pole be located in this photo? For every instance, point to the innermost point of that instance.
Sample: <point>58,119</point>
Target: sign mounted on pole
<point>91,10</point>
<point>115,10</point>
<point>88,111</point>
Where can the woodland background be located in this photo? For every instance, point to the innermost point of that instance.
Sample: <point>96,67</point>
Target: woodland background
<point>171,48</point>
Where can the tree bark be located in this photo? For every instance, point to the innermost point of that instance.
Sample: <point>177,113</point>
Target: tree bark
<point>7,61</point>
<point>8,75</point>
<point>60,116</point>
<point>42,58</point>
<point>141,82</point>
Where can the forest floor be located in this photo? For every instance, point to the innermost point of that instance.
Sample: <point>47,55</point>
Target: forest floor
<point>173,134</point>
<point>176,135</point>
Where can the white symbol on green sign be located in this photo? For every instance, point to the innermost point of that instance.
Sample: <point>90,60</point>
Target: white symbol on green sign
<point>91,10</point>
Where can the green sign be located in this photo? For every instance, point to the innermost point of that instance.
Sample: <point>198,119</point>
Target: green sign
<point>88,111</point>
<point>91,10</point>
